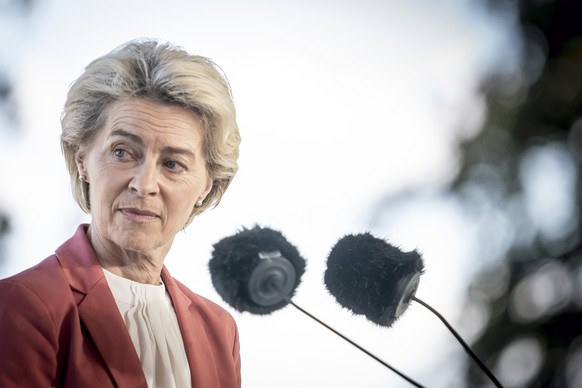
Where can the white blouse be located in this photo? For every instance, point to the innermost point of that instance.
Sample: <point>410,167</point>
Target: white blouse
<point>153,326</point>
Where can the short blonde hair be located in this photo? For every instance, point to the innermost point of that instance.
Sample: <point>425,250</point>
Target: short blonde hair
<point>161,72</point>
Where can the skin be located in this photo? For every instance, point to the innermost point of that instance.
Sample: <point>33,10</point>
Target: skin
<point>146,171</point>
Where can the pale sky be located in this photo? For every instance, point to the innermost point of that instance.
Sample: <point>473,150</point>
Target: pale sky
<point>340,103</point>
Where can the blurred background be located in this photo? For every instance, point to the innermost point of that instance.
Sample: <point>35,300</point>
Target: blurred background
<point>453,127</point>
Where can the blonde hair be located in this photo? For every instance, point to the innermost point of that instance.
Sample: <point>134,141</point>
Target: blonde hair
<point>158,72</point>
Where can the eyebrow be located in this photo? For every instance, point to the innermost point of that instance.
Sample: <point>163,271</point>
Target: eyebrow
<point>136,139</point>
<point>124,133</point>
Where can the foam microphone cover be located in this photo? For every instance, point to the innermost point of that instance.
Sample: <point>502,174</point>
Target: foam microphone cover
<point>370,277</point>
<point>256,270</point>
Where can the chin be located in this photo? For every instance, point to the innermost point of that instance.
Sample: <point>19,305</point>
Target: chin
<point>137,240</point>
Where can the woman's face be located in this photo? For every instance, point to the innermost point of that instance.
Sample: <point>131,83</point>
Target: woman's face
<point>146,170</point>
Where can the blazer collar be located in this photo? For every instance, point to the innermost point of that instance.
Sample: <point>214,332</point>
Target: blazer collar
<point>98,311</point>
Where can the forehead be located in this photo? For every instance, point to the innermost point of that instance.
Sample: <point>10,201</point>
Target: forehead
<point>153,119</point>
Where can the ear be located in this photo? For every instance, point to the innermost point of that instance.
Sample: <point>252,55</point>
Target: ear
<point>206,190</point>
<point>80,162</point>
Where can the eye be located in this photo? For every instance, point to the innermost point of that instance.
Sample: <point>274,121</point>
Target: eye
<point>173,165</point>
<point>119,152</point>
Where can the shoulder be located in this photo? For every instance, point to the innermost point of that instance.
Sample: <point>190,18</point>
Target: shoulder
<point>40,278</point>
<point>42,287</point>
<point>48,276</point>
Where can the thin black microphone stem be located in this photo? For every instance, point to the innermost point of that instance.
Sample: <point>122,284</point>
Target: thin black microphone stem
<point>355,344</point>
<point>465,346</point>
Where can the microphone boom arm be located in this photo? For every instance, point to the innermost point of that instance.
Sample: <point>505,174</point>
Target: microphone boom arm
<point>354,344</point>
<point>461,341</point>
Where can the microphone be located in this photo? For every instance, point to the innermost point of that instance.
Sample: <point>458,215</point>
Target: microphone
<point>257,270</point>
<point>370,277</point>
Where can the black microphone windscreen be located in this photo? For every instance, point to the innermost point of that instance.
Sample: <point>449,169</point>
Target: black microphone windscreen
<point>256,270</point>
<point>370,277</point>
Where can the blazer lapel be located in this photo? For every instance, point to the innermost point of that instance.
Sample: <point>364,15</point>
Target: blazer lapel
<point>98,310</point>
<point>105,326</point>
<point>198,348</point>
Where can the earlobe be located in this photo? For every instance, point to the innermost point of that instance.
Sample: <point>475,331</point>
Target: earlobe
<point>80,161</point>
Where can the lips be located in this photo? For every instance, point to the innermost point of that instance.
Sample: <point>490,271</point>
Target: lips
<point>139,215</point>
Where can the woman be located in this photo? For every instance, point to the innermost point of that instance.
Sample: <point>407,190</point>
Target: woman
<point>150,139</point>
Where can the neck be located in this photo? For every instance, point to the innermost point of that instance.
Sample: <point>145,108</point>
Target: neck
<point>141,267</point>
<point>137,273</point>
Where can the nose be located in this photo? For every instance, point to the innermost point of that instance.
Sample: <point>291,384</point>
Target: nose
<point>145,180</point>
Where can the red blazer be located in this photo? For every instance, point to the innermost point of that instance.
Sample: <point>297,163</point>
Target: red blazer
<point>60,327</point>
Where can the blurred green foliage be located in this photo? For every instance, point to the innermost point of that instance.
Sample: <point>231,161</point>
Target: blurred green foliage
<point>530,301</point>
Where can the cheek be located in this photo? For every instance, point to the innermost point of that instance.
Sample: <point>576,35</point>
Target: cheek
<point>101,196</point>
<point>178,213</point>
<point>105,187</point>
<point>182,202</point>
